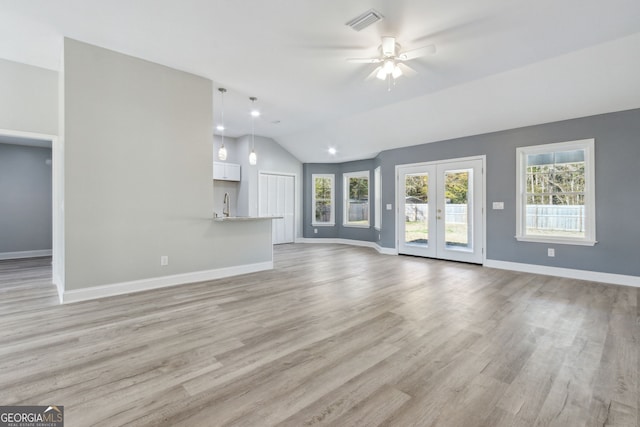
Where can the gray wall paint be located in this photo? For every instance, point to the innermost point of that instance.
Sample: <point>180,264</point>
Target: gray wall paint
<point>29,98</point>
<point>339,230</point>
<point>271,158</point>
<point>138,174</point>
<point>25,198</point>
<point>617,148</point>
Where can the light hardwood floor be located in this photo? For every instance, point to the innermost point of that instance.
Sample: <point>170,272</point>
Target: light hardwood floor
<point>334,335</point>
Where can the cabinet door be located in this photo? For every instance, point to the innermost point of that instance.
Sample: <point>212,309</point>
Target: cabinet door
<point>226,171</point>
<point>232,172</point>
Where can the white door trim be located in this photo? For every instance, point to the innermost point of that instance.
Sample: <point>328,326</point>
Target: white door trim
<point>57,199</point>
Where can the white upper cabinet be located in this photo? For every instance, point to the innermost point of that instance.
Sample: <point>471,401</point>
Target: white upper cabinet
<point>226,171</point>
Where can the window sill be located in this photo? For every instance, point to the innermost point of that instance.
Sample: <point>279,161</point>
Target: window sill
<point>356,225</point>
<point>557,241</point>
<point>323,224</point>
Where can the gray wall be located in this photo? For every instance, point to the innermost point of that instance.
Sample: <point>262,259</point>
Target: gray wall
<point>138,174</point>
<point>25,198</point>
<point>617,149</point>
<point>339,231</point>
<point>28,98</point>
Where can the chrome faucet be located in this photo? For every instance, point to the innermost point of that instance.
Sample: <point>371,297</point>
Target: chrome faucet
<point>225,203</point>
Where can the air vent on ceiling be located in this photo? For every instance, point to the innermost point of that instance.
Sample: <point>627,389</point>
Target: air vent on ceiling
<point>361,22</point>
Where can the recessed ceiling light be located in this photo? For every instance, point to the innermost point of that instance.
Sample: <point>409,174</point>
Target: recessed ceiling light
<point>332,151</point>
<point>255,113</point>
<point>220,127</point>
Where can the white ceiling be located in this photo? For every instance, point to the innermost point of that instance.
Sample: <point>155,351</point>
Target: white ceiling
<point>500,63</point>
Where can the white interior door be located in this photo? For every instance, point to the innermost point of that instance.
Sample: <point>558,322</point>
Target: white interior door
<point>440,210</point>
<point>276,197</point>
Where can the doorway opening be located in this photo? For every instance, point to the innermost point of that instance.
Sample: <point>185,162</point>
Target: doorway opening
<point>36,206</point>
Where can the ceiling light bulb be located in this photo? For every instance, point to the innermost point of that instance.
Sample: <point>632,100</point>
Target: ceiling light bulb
<point>397,72</point>
<point>222,153</point>
<point>332,151</point>
<point>255,113</point>
<point>253,159</point>
<point>382,75</point>
<point>388,66</point>
<point>220,127</point>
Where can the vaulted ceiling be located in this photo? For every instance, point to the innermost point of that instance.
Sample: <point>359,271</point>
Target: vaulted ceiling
<point>499,63</point>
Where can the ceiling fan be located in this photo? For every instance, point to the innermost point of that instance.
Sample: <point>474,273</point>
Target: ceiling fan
<point>392,59</point>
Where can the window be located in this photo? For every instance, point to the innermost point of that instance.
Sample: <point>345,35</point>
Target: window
<point>323,200</point>
<point>377,188</point>
<point>556,199</point>
<point>356,199</point>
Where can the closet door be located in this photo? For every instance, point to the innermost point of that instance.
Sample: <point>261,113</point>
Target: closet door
<point>277,198</point>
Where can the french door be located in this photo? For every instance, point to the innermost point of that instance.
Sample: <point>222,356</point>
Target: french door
<point>440,210</point>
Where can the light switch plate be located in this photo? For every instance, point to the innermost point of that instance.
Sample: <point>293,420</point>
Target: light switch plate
<point>389,206</point>
<point>498,205</point>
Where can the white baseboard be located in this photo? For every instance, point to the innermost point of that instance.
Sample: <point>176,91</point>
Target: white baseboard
<point>592,276</point>
<point>374,245</point>
<point>76,295</point>
<point>25,254</point>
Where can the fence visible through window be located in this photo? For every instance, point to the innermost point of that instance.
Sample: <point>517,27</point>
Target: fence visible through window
<point>539,217</point>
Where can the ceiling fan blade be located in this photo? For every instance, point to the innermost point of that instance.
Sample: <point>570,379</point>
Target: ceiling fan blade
<point>364,60</point>
<point>416,53</point>
<point>406,70</point>
<point>373,73</point>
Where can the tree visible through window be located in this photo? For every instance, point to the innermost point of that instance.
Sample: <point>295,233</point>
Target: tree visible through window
<point>356,203</point>
<point>323,200</point>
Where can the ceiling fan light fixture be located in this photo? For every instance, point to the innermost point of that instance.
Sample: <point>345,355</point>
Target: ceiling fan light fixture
<point>382,74</point>
<point>397,72</point>
<point>389,66</point>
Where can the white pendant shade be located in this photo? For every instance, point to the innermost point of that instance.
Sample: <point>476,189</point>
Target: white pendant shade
<point>222,153</point>
<point>253,159</point>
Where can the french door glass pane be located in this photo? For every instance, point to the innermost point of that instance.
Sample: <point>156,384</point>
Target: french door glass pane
<point>458,209</point>
<point>416,224</point>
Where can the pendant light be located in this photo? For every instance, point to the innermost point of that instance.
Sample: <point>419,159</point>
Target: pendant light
<point>222,152</point>
<point>253,159</point>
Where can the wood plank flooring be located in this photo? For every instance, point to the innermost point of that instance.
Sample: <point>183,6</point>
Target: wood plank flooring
<point>334,335</point>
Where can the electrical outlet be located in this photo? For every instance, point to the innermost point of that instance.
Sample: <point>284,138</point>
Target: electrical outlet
<point>315,231</point>
<point>551,252</point>
<point>164,260</point>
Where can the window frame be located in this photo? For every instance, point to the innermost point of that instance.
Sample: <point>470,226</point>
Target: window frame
<point>377,195</point>
<point>588,145</point>
<point>332,222</point>
<point>345,198</point>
